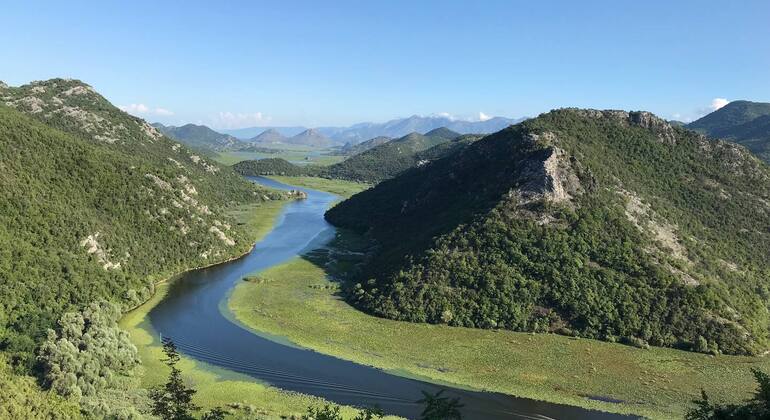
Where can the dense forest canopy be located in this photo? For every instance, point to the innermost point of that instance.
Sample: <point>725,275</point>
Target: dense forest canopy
<point>601,224</point>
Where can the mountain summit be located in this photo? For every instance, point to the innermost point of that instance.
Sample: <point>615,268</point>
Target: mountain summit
<point>604,224</point>
<point>310,137</point>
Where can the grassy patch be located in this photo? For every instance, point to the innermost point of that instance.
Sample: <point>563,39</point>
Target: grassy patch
<point>299,303</point>
<point>339,187</point>
<point>259,218</point>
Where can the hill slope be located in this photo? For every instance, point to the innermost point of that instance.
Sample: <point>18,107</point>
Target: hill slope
<point>200,137</point>
<point>744,122</point>
<point>310,137</point>
<point>387,159</point>
<point>97,203</point>
<point>268,136</point>
<point>351,149</point>
<point>601,224</point>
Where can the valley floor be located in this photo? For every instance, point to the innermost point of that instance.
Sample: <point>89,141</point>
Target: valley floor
<point>297,301</point>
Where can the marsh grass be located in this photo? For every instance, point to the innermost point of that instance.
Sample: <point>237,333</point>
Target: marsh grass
<point>300,304</point>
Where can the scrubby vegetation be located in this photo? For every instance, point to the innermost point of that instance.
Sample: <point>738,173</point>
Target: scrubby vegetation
<point>596,224</point>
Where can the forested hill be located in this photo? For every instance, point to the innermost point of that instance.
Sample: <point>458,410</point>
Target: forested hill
<point>388,159</point>
<point>602,224</point>
<point>744,122</point>
<point>95,203</point>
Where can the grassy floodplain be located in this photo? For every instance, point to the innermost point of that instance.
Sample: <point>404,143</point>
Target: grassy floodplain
<point>217,386</point>
<point>298,302</point>
<point>342,188</point>
<point>301,155</point>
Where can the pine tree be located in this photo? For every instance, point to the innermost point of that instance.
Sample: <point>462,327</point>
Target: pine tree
<point>173,401</point>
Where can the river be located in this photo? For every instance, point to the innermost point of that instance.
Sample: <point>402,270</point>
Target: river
<point>195,316</point>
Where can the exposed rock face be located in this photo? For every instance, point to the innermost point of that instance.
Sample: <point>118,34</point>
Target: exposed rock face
<point>93,246</point>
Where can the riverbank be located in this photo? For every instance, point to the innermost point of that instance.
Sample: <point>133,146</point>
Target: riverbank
<point>296,301</point>
<point>216,386</point>
<point>344,189</point>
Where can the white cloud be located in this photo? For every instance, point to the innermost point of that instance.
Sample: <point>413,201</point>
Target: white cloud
<point>484,117</point>
<point>230,120</point>
<point>446,115</point>
<point>141,110</point>
<point>717,103</point>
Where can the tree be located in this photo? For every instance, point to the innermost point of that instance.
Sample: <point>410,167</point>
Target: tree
<point>216,413</point>
<point>327,412</point>
<point>440,408</point>
<point>758,407</point>
<point>173,401</point>
<point>370,413</point>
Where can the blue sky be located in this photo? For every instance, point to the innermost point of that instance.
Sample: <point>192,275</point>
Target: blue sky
<point>232,64</point>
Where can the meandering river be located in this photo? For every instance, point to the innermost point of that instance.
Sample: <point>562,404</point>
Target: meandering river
<point>194,314</point>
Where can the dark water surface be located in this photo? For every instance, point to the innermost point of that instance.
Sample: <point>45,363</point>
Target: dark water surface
<point>194,314</point>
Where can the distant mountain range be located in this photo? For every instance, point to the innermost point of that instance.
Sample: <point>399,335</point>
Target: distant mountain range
<point>414,124</point>
<point>744,122</point>
<point>357,133</point>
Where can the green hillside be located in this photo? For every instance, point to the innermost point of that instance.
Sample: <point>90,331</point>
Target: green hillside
<point>601,224</point>
<point>95,203</point>
<point>387,159</point>
<point>744,122</point>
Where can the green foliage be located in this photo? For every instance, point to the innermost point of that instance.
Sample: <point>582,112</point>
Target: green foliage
<point>758,407</point>
<point>327,412</point>
<point>89,353</point>
<point>269,166</point>
<point>370,413</point>
<point>440,408</point>
<point>92,360</point>
<point>487,248</point>
<point>21,398</point>
<point>173,401</point>
<point>332,412</point>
